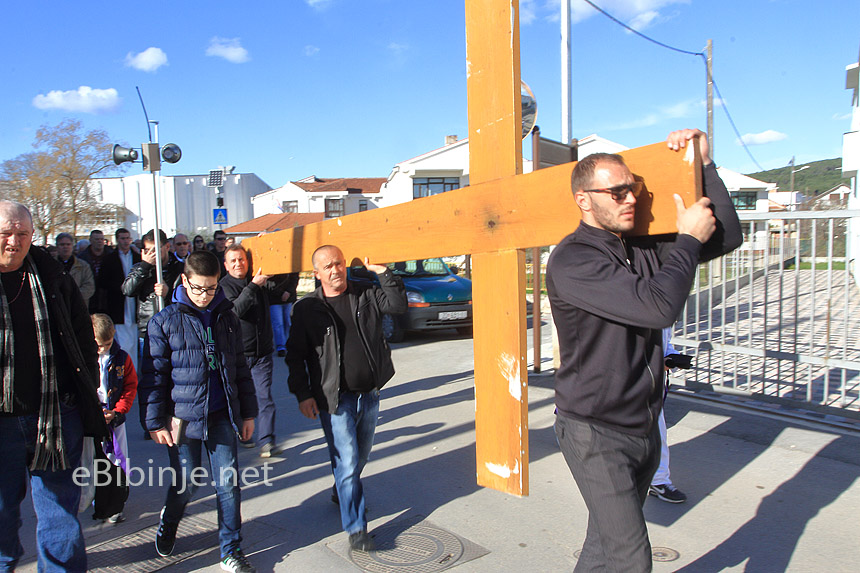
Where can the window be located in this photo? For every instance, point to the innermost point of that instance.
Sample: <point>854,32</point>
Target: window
<point>333,208</point>
<point>426,186</point>
<point>362,205</point>
<point>744,200</point>
<point>290,206</point>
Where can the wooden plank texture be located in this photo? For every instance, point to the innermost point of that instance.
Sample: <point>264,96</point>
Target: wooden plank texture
<point>515,212</point>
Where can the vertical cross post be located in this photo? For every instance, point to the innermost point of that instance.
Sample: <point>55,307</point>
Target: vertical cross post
<point>498,278</point>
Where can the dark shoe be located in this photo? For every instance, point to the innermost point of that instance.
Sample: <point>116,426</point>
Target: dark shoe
<point>361,541</point>
<point>334,499</point>
<point>237,561</point>
<point>165,539</point>
<point>282,352</point>
<point>118,518</point>
<point>249,444</point>
<point>668,493</point>
<point>270,449</point>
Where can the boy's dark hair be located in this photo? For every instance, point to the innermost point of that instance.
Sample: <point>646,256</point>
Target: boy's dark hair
<point>219,233</point>
<point>583,173</point>
<point>149,237</point>
<point>202,264</point>
<point>120,230</point>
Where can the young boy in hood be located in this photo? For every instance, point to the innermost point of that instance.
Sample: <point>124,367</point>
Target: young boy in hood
<point>197,393</point>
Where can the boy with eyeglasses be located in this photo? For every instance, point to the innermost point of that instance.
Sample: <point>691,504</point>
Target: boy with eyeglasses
<point>197,392</point>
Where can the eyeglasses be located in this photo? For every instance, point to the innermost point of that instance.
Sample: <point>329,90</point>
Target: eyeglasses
<point>619,192</point>
<point>198,240</point>
<point>198,290</point>
<point>220,238</point>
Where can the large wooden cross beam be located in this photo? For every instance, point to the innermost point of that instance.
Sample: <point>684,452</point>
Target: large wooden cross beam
<point>501,213</point>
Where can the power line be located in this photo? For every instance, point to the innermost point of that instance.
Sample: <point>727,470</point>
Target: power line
<point>689,53</point>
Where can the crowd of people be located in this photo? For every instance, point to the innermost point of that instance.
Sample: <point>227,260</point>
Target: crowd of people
<point>196,349</point>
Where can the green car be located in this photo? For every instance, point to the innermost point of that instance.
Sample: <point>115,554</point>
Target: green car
<point>437,298</point>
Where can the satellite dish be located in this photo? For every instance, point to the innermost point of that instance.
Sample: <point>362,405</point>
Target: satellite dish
<point>529,104</point>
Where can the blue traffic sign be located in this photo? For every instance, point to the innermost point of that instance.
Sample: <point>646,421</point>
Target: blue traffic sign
<point>219,216</point>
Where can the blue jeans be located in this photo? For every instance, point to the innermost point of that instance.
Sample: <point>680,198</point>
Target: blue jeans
<point>221,447</point>
<point>349,434</point>
<point>55,495</point>
<point>281,323</point>
<point>261,372</point>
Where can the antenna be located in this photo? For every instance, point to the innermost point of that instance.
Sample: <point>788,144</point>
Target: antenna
<point>145,115</point>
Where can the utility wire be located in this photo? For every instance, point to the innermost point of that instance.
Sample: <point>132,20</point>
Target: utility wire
<point>689,53</point>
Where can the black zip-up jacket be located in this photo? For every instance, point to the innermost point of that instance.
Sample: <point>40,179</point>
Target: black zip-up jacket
<point>313,349</point>
<point>251,305</point>
<point>140,283</point>
<point>610,300</point>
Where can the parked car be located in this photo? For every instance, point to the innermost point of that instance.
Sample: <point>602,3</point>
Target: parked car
<point>437,298</point>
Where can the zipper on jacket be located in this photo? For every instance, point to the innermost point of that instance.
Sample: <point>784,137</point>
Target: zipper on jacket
<point>366,346</point>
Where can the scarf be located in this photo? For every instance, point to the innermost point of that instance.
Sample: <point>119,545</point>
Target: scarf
<point>50,449</point>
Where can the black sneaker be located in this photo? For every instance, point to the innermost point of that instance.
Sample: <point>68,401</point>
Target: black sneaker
<point>361,541</point>
<point>237,561</point>
<point>165,539</point>
<point>270,449</point>
<point>249,444</point>
<point>334,498</point>
<point>668,493</point>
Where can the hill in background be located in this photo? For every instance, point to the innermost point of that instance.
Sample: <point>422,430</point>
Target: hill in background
<point>820,177</point>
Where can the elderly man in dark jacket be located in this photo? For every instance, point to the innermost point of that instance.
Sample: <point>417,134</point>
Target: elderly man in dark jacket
<point>251,305</point>
<point>338,361</point>
<point>49,366</point>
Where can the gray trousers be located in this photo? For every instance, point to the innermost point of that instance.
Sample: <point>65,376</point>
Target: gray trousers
<point>613,471</point>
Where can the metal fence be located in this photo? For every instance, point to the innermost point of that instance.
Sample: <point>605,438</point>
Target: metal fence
<point>778,318</point>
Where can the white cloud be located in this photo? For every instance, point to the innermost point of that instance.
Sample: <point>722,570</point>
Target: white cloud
<point>397,48</point>
<point>842,116</point>
<point>643,20</point>
<point>762,138</point>
<point>228,48</point>
<point>528,12</point>
<point>148,60</point>
<point>638,14</point>
<point>675,111</point>
<point>318,4</point>
<point>84,99</point>
<point>311,50</point>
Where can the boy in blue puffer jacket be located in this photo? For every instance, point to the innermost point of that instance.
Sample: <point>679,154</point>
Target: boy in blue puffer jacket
<point>196,392</point>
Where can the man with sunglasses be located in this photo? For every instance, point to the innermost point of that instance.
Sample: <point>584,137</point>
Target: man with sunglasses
<point>611,296</point>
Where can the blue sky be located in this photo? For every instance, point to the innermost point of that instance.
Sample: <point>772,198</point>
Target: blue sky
<point>347,88</point>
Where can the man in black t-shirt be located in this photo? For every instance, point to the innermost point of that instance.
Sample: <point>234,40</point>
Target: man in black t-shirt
<point>338,361</point>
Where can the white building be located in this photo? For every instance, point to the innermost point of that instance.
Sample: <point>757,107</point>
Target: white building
<point>851,163</point>
<point>333,197</point>
<point>187,204</point>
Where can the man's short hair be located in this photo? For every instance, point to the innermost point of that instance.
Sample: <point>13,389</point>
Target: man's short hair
<point>235,247</point>
<point>13,208</point>
<point>318,250</point>
<point>95,232</point>
<point>120,230</point>
<point>149,237</point>
<point>103,327</point>
<point>583,173</point>
<point>202,264</point>
<point>219,233</point>
<point>62,236</point>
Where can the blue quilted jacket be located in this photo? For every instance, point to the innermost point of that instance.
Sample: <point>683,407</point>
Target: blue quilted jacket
<point>175,379</point>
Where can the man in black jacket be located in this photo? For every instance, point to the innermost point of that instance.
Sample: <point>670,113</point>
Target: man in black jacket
<point>122,309</point>
<point>251,305</point>
<point>338,361</point>
<point>611,296</point>
<point>48,401</point>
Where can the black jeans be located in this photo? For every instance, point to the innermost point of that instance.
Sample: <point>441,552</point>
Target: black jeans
<point>613,471</point>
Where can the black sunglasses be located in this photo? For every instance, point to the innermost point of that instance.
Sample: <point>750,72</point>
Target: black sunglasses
<point>619,192</point>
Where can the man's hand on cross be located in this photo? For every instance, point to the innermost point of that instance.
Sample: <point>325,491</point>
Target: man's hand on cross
<point>698,220</point>
<point>378,269</point>
<point>678,140</point>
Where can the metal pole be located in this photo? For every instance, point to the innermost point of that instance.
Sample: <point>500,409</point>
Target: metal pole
<point>566,106</point>
<point>710,79</point>
<point>156,235</point>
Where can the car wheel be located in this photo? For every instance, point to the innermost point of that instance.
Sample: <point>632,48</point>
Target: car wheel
<point>390,329</point>
<point>464,331</point>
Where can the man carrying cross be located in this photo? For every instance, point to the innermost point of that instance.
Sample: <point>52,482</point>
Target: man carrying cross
<point>611,296</point>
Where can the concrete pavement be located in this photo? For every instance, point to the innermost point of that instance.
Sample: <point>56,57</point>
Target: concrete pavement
<point>765,493</point>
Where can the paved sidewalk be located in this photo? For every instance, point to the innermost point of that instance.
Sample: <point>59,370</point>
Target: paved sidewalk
<point>765,494</point>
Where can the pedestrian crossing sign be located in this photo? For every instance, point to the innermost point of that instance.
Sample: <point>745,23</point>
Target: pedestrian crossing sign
<point>219,216</point>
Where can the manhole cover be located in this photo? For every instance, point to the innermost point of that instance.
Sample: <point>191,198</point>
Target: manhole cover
<point>420,547</point>
<point>135,552</point>
<point>662,554</point>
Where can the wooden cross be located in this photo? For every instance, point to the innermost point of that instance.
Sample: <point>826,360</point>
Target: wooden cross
<point>501,213</point>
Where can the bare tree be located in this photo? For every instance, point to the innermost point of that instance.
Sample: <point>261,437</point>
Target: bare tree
<point>54,181</point>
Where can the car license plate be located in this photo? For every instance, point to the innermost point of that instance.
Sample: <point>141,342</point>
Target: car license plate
<point>453,315</point>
